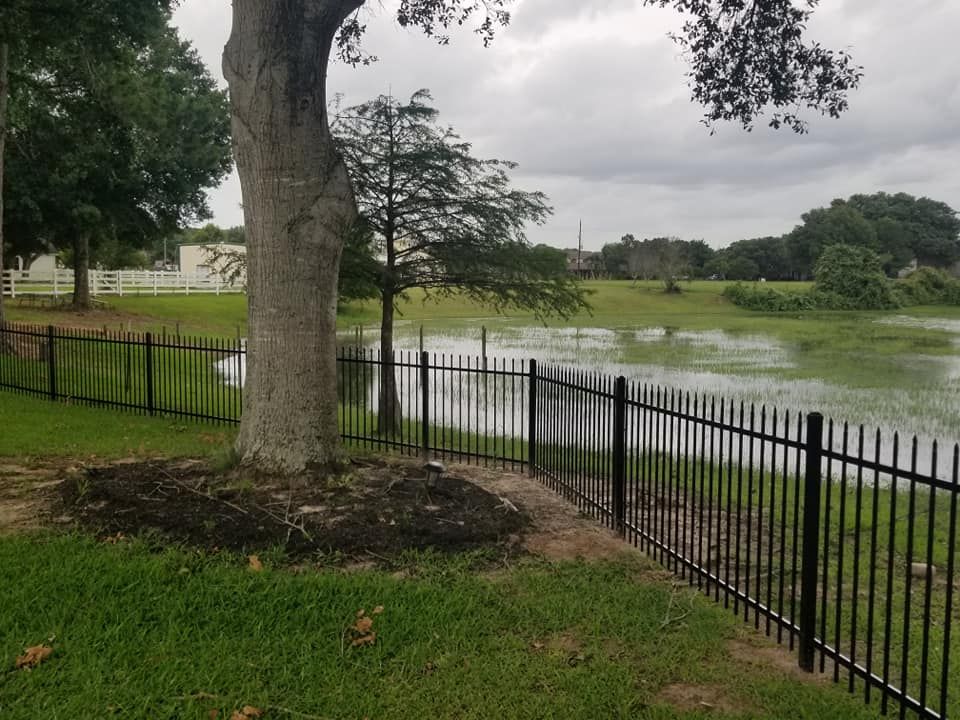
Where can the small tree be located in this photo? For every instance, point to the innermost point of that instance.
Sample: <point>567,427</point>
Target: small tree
<point>445,221</point>
<point>854,275</point>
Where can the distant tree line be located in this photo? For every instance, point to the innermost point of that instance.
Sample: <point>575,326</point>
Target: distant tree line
<point>669,259</point>
<point>899,228</point>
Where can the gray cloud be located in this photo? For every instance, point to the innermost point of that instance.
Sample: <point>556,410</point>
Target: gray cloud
<point>592,101</point>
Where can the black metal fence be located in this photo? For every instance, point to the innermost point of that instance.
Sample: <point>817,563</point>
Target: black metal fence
<point>837,542</point>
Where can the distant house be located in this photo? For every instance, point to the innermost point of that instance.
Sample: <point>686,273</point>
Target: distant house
<point>582,263</point>
<point>196,258</point>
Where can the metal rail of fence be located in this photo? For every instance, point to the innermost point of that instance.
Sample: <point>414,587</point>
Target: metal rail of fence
<point>830,539</point>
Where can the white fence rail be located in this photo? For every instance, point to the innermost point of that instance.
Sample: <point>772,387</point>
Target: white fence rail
<point>56,283</point>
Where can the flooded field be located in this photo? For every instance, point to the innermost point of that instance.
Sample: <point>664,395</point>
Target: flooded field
<point>914,392</point>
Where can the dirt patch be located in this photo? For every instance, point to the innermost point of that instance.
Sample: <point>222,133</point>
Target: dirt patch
<point>760,652</point>
<point>23,495</point>
<point>558,531</point>
<point>381,510</point>
<point>702,698</point>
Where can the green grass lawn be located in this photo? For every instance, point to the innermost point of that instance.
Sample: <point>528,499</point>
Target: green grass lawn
<point>141,632</point>
<point>36,429</point>
<point>40,430</point>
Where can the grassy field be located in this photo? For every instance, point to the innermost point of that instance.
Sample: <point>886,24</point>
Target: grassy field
<point>145,631</point>
<point>847,348</point>
<point>36,429</point>
<point>700,306</point>
<point>42,431</point>
<point>831,345</point>
<point>152,633</point>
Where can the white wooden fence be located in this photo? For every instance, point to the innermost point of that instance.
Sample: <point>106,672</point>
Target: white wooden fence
<point>19,283</point>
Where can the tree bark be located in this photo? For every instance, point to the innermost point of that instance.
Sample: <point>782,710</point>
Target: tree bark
<point>81,270</point>
<point>298,201</point>
<point>4,95</point>
<point>388,408</point>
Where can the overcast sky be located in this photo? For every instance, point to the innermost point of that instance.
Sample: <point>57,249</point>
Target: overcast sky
<point>591,100</point>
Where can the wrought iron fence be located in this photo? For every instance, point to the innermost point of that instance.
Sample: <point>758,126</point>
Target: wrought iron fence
<point>832,540</point>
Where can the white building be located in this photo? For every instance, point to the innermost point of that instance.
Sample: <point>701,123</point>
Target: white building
<point>196,258</point>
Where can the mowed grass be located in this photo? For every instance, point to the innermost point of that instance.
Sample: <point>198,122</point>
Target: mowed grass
<point>145,632</point>
<point>36,429</point>
<point>89,434</point>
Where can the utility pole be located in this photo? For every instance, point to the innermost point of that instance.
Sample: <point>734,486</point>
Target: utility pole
<point>579,251</point>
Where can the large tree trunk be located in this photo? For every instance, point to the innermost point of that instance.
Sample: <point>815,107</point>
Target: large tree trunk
<point>4,94</point>
<point>298,201</point>
<point>388,408</point>
<point>81,270</point>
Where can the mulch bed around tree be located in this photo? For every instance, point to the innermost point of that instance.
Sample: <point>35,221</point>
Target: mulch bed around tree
<point>381,509</point>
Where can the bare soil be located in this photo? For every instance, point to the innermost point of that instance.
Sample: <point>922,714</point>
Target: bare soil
<point>22,496</point>
<point>702,698</point>
<point>381,509</point>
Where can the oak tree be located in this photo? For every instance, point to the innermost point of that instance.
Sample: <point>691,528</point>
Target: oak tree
<point>746,56</point>
<point>32,27</point>
<point>114,150</point>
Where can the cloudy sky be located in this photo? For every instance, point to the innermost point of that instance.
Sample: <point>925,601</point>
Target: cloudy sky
<point>591,100</point>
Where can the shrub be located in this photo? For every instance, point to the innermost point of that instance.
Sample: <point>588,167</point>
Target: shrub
<point>853,277</point>
<point>758,297</point>
<point>928,286</point>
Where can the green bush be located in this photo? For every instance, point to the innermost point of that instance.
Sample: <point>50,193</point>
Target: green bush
<point>928,286</point>
<point>759,297</point>
<point>852,277</point>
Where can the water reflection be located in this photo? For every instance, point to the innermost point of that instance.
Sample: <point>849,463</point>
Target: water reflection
<point>711,363</point>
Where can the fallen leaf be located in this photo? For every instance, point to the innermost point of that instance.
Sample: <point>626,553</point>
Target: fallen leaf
<point>255,563</point>
<point>378,609</point>
<point>364,640</point>
<point>363,625</point>
<point>213,714</point>
<point>361,612</point>
<point>33,656</point>
<point>537,645</point>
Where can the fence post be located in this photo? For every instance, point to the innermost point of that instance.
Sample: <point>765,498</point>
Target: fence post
<point>532,422</point>
<point>120,283</point>
<point>425,410</point>
<point>51,364</point>
<point>148,350</point>
<point>810,562</point>
<point>620,455</point>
